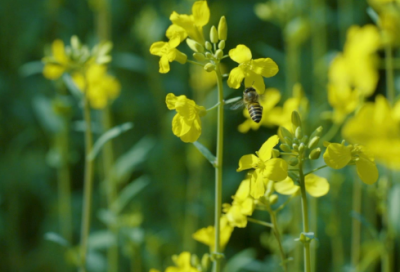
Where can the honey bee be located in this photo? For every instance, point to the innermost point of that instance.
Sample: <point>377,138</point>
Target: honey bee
<point>251,101</point>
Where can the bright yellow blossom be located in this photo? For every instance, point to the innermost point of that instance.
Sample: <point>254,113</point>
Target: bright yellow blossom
<point>316,186</point>
<point>176,34</point>
<point>338,156</point>
<point>242,206</point>
<point>252,71</point>
<point>100,87</point>
<point>168,53</point>
<point>266,167</point>
<point>193,24</point>
<point>182,263</point>
<point>344,101</point>
<point>60,61</point>
<point>186,123</point>
<point>207,235</point>
<point>154,270</point>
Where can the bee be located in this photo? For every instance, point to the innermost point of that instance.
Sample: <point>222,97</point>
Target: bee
<point>251,101</point>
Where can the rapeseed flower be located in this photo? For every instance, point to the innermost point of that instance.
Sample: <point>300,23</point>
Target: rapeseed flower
<point>58,62</point>
<point>193,24</point>
<point>186,123</point>
<point>249,70</point>
<point>99,87</point>
<point>338,156</point>
<point>207,235</point>
<point>316,186</point>
<point>182,263</point>
<point>168,53</point>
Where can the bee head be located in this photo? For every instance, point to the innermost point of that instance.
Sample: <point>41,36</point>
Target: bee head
<point>250,89</point>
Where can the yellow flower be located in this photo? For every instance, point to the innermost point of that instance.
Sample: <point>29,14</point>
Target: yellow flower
<point>176,34</point>
<point>182,263</point>
<point>338,156</point>
<point>100,87</point>
<point>59,63</point>
<point>186,123</point>
<point>207,235</point>
<point>377,127</point>
<point>316,186</point>
<point>344,101</point>
<point>252,71</point>
<point>242,206</point>
<point>168,53</point>
<point>266,167</point>
<point>193,24</point>
<point>154,270</point>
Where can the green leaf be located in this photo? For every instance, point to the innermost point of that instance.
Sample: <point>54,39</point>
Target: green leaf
<point>206,153</point>
<point>44,111</point>
<point>240,260</point>
<point>56,238</point>
<point>102,239</point>
<point>373,15</point>
<point>31,68</point>
<point>233,100</point>
<point>107,136</point>
<point>129,192</point>
<point>72,86</point>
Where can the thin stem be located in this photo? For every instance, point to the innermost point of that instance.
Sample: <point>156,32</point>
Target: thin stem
<point>262,223</point>
<point>356,226</point>
<point>275,230</point>
<point>316,169</point>
<point>287,153</point>
<point>218,168</point>
<point>333,130</point>
<point>195,63</point>
<point>88,185</point>
<point>283,205</point>
<point>225,56</point>
<point>306,229</point>
<point>213,107</point>
<point>391,93</point>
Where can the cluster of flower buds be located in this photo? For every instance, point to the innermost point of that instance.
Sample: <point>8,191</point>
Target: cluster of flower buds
<point>212,51</point>
<point>298,142</point>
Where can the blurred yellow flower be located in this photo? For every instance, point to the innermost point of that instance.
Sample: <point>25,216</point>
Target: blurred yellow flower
<point>252,71</point>
<point>193,24</point>
<point>377,127</point>
<point>182,263</point>
<point>176,34</point>
<point>344,101</point>
<point>207,235</point>
<point>60,61</point>
<point>266,167</point>
<point>186,123</point>
<point>338,156</point>
<point>316,186</point>
<point>100,87</point>
<point>242,206</point>
<point>154,270</point>
<point>168,53</point>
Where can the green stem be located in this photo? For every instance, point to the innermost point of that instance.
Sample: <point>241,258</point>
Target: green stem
<point>218,168</point>
<point>316,169</point>
<point>306,229</point>
<point>391,94</point>
<point>88,186</point>
<point>195,63</point>
<point>262,223</point>
<point>292,66</point>
<point>333,130</point>
<point>289,154</point>
<point>275,229</point>
<point>213,107</point>
<point>356,226</point>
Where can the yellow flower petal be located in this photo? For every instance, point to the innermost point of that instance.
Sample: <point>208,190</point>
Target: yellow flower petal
<point>367,170</point>
<point>58,51</point>
<point>179,125</point>
<point>164,65</point>
<point>265,152</point>
<point>254,80</point>
<point>207,235</point>
<point>337,156</point>
<point>247,162</point>
<point>157,48</point>
<point>235,78</point>
<point>240,54</point>
<point>257,188</point>
<point>236,217</point>
<point>53,71</point>
<point>243,191</point>
<point>286,187</point>
<point>316,186</point>
<point>276,169</point>
<point>170,100</point>
<point>201,13</point>
<point>176,35</point>
<point>194,132</point>
<point>265,67</point>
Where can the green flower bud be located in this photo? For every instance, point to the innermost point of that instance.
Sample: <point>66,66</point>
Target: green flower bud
<point>315,153</point>
<point>273,199</point>
<point>288,141</point>
<point>195,46</point>
<point>285,133</point>
<point>213,35</point>
<point>301,147</point>
<point>316,132</point>
<point>208,45</point>
<point>293,161</point>
<point>222,29</point>
<point>304,139</point>
<point>205,262</point>
<point>296,141</point>
<point>209,55</point>
<point>209,67</point>
<point>275,153</point>
<point>298,133</point>
<point>221,45</point>
<point>285,147</point>
<point>219,54</point>
<point>296,120</point>
<point>313,142</point>
<point>194,260</point>
<point>295,147</point>
<point>199,57</point>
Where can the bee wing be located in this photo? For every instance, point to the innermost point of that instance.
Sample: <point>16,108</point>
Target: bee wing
<point>237,105</point>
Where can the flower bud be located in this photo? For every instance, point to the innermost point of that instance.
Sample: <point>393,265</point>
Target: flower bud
<point>199,56</point>
<point>315,153</point>
<point>285,147</point>
<point>208,45</point>
<point>304,139</point>
<point>222,29</point>
<point>273,199</point>
<point>219,54</point>
<point>195,46</point>
<point>213,35</point>
<point>293,161</point>
<point>285,134</point>
<point>295,147</point>
<point>209,67</point>
<point>205,262</point>
<point>194,260</point>
<point>221,45</point>
<point>301,147</point>
<point>209,55</point>
<point>313,142</point>
<point>296,121</point>
<point>275,153</point>
<point>316,132</point>
<point>298,133</point>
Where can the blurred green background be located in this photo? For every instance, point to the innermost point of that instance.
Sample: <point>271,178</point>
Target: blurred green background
<point>174,191</point>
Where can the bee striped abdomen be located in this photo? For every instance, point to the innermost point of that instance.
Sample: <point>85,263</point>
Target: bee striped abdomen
<point>255,111</point>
